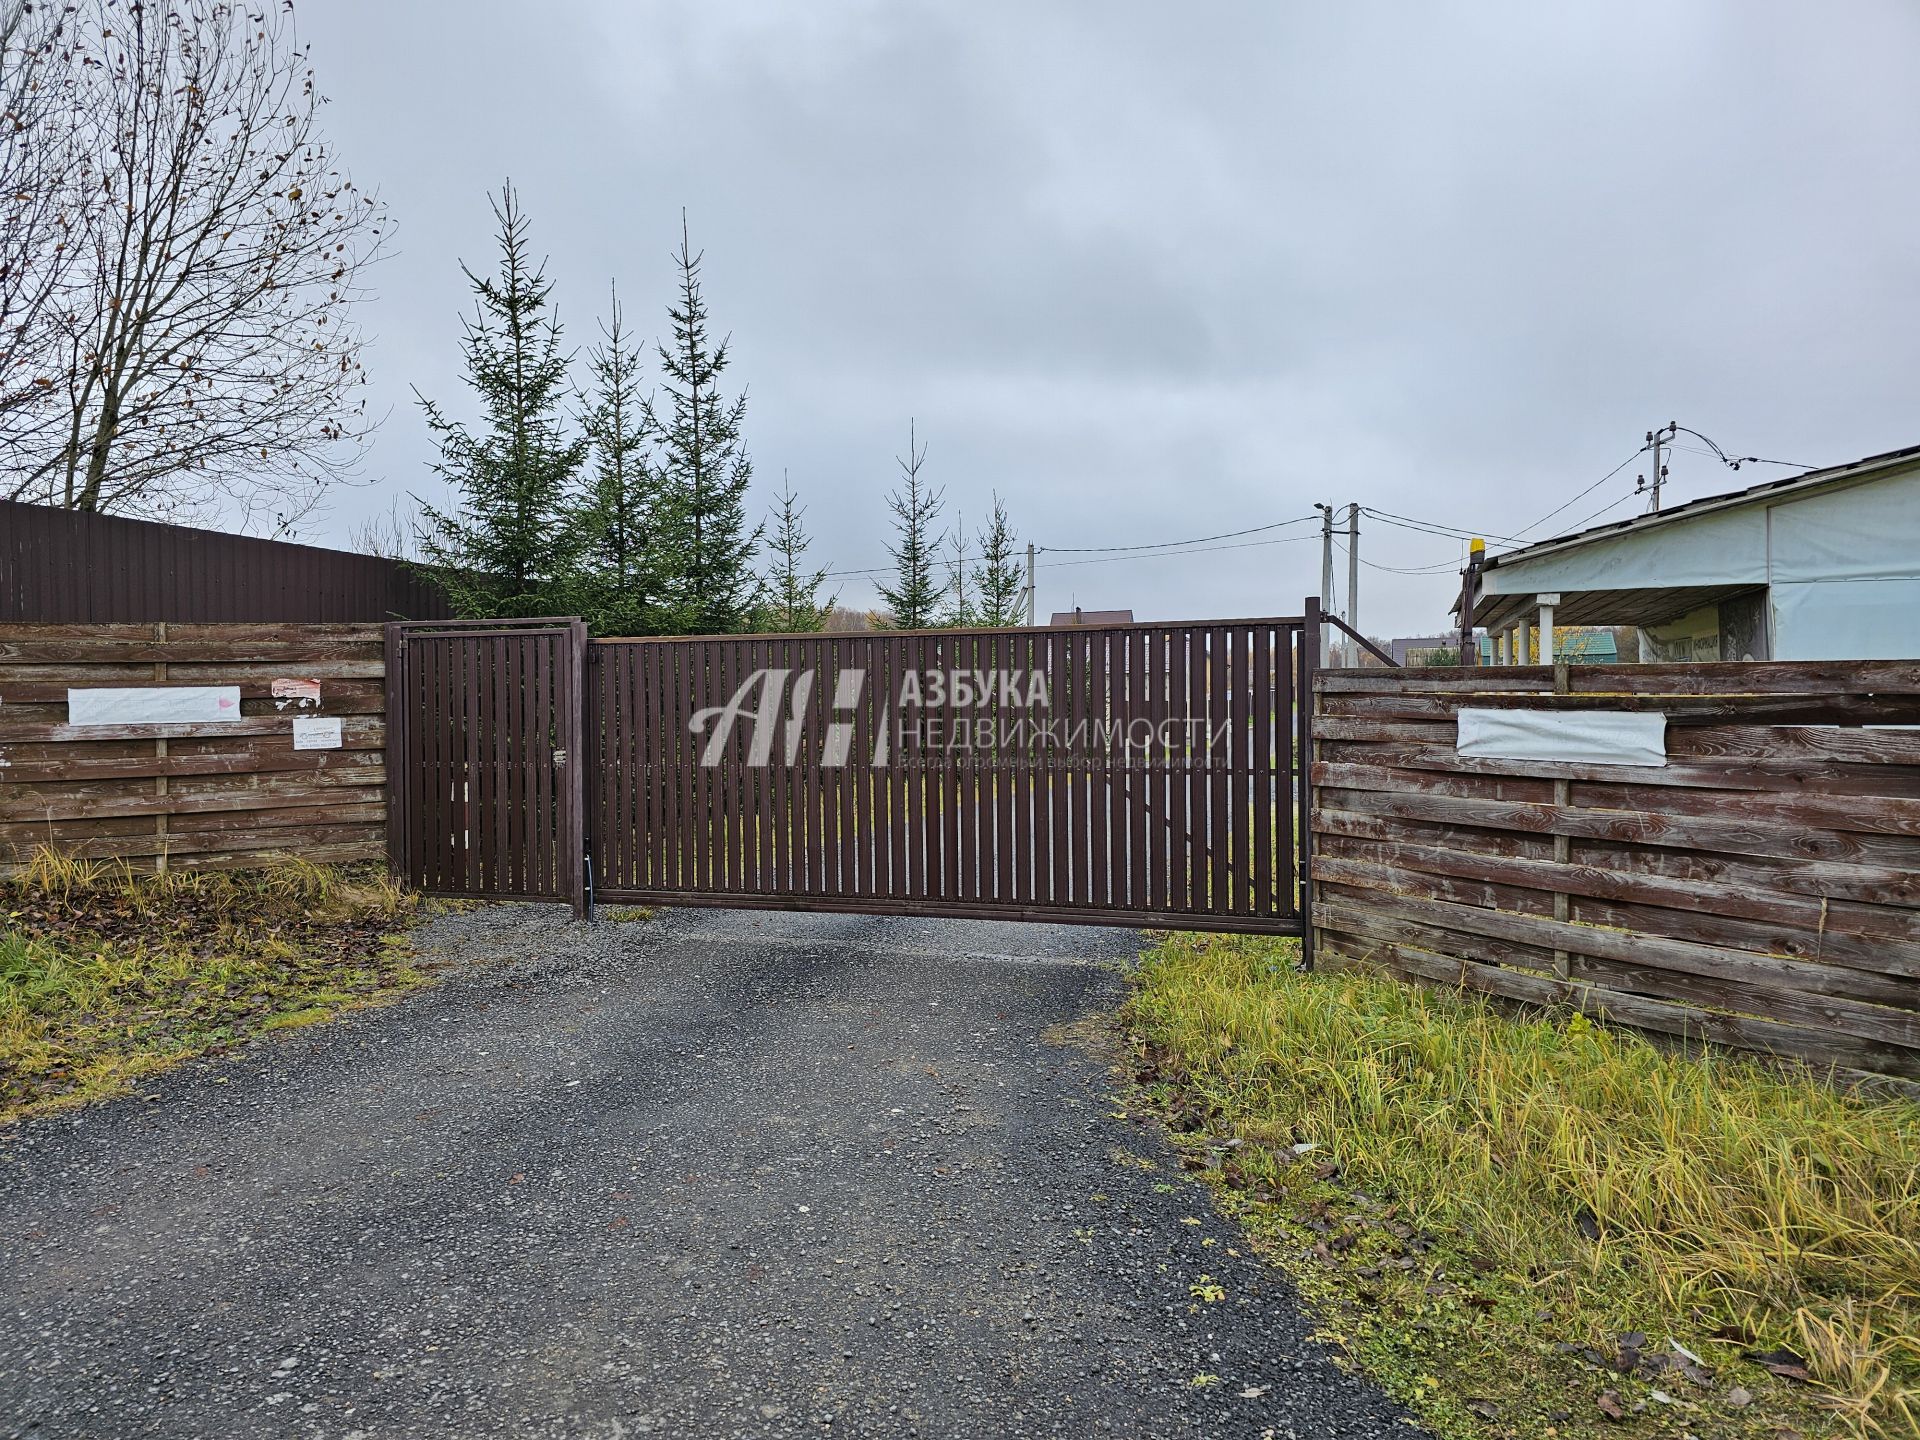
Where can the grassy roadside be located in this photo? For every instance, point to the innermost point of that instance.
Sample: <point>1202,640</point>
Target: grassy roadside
<point>1539,1226</point>
<point>107,976</point>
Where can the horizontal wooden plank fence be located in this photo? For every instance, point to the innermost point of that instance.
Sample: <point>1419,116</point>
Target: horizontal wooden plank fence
<point>1762,889</point>
<point>214,794</point>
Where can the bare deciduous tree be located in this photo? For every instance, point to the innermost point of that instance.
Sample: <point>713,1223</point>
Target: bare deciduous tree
<point>389,536</point>
<point>206,355</point>
<point>44,191</point>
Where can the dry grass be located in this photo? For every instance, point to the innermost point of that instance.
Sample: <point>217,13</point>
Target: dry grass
<point>1584,1184</point>
<point>107,976</point>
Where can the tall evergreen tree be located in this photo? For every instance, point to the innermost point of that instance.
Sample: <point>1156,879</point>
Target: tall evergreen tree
<point>915,593</point>
<point>960,607</point>
<point>790,590</point>
<point>998,580</point>
<point>704,470</point>
<point>506,551</point>
<point>622,579</point>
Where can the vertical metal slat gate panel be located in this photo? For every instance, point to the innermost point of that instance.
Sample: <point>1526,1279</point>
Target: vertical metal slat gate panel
<point>486,740</point>
<point>1144,774</point>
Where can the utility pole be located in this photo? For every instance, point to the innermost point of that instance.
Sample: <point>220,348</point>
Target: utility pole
<point>1469,582</point>
<point>1029,583</point>
<point>1326,571</point>
<point>1353,580</point>
<point>1657,439</point>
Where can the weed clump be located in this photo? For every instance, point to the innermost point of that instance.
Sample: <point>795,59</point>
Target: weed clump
<point>1518,1202</point>
<point>107,975</point>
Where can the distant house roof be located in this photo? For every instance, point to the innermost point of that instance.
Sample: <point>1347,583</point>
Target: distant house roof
<point>1077,616</point>
<point>1403,645</point>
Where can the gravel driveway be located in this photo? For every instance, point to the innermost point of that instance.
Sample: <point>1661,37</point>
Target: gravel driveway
<point>716,1173</point>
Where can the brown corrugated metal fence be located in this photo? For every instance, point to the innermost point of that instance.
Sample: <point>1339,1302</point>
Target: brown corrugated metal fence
<point>71,566</point>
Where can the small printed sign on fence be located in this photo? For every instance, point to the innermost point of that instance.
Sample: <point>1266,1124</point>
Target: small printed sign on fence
<point>316,732</point>
<point>287,688</point>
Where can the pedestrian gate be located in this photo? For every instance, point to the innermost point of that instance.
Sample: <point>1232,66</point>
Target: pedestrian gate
<point>1133,774</point>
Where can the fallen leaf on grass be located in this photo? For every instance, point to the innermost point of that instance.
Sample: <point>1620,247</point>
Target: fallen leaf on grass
<point>1783,1362</point>
<point>1610,1405</point>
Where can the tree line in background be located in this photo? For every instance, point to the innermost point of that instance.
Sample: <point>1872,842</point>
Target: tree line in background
<point>629,506</point>
<point>181,256</point>
<point>617,504</point>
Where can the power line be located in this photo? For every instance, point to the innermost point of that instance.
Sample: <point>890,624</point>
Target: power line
<point>1734,462</point>
<point>1172,544</point>
<point>1433,527</point>
<point>1158,554</point>
<point>1611,504</point>
<point>1444,565</point>
<point>1205,550</point>
<point>1588,491</point>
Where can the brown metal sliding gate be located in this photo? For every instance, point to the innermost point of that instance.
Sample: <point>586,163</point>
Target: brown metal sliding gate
<point>1137,775</point>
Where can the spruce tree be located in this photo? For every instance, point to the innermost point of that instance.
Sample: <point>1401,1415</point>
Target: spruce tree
<point>998,580</point>
<point>507,550</point>
<point>621,586</point>
<point>704,471</point>
<point>790,591</point>
<point>960,607</point>
<point>915,593</point>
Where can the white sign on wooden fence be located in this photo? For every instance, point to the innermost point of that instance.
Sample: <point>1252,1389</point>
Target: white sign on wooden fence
<point>153,705</point>
<point>316,732</point>
<point>1579,737</point>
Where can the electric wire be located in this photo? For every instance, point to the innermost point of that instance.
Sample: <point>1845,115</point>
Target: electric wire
<point>1172,544</point>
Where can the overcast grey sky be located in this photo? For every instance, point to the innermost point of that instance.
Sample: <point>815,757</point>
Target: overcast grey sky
<point>1158,271</point>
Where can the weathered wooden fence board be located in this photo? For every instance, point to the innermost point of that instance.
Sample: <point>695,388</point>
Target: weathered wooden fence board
<point>1761,890</point>
<point>222,793</point>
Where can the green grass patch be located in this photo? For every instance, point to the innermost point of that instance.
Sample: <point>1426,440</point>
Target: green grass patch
<point>1532,1225</point>
<point>107,976</point>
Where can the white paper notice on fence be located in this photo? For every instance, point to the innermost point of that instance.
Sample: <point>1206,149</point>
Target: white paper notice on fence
<point>154,705</point>
<point>1580,737</point>
<point>316,732</point>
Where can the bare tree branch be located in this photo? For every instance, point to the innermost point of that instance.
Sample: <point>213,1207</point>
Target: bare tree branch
<point>204,355</point>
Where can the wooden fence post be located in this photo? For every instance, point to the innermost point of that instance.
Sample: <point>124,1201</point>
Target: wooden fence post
<point>1562,843</point>
<point>1305,705</point>
<point>395,661</point>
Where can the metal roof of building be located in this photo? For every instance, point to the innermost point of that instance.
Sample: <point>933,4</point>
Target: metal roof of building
<point>1832,474</point>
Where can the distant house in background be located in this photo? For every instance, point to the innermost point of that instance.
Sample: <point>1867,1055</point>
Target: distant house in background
<point>1420,649</point>
<point>1077,616</point>
<point>1823,566</point>
<point>1579,644</point>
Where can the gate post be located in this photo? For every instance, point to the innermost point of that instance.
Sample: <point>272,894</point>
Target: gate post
<point>573,809</point>
<point>1304,706</point>
<point>396,747</point>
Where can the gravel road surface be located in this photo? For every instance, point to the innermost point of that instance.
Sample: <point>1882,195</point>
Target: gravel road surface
<point>713,1174</point>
